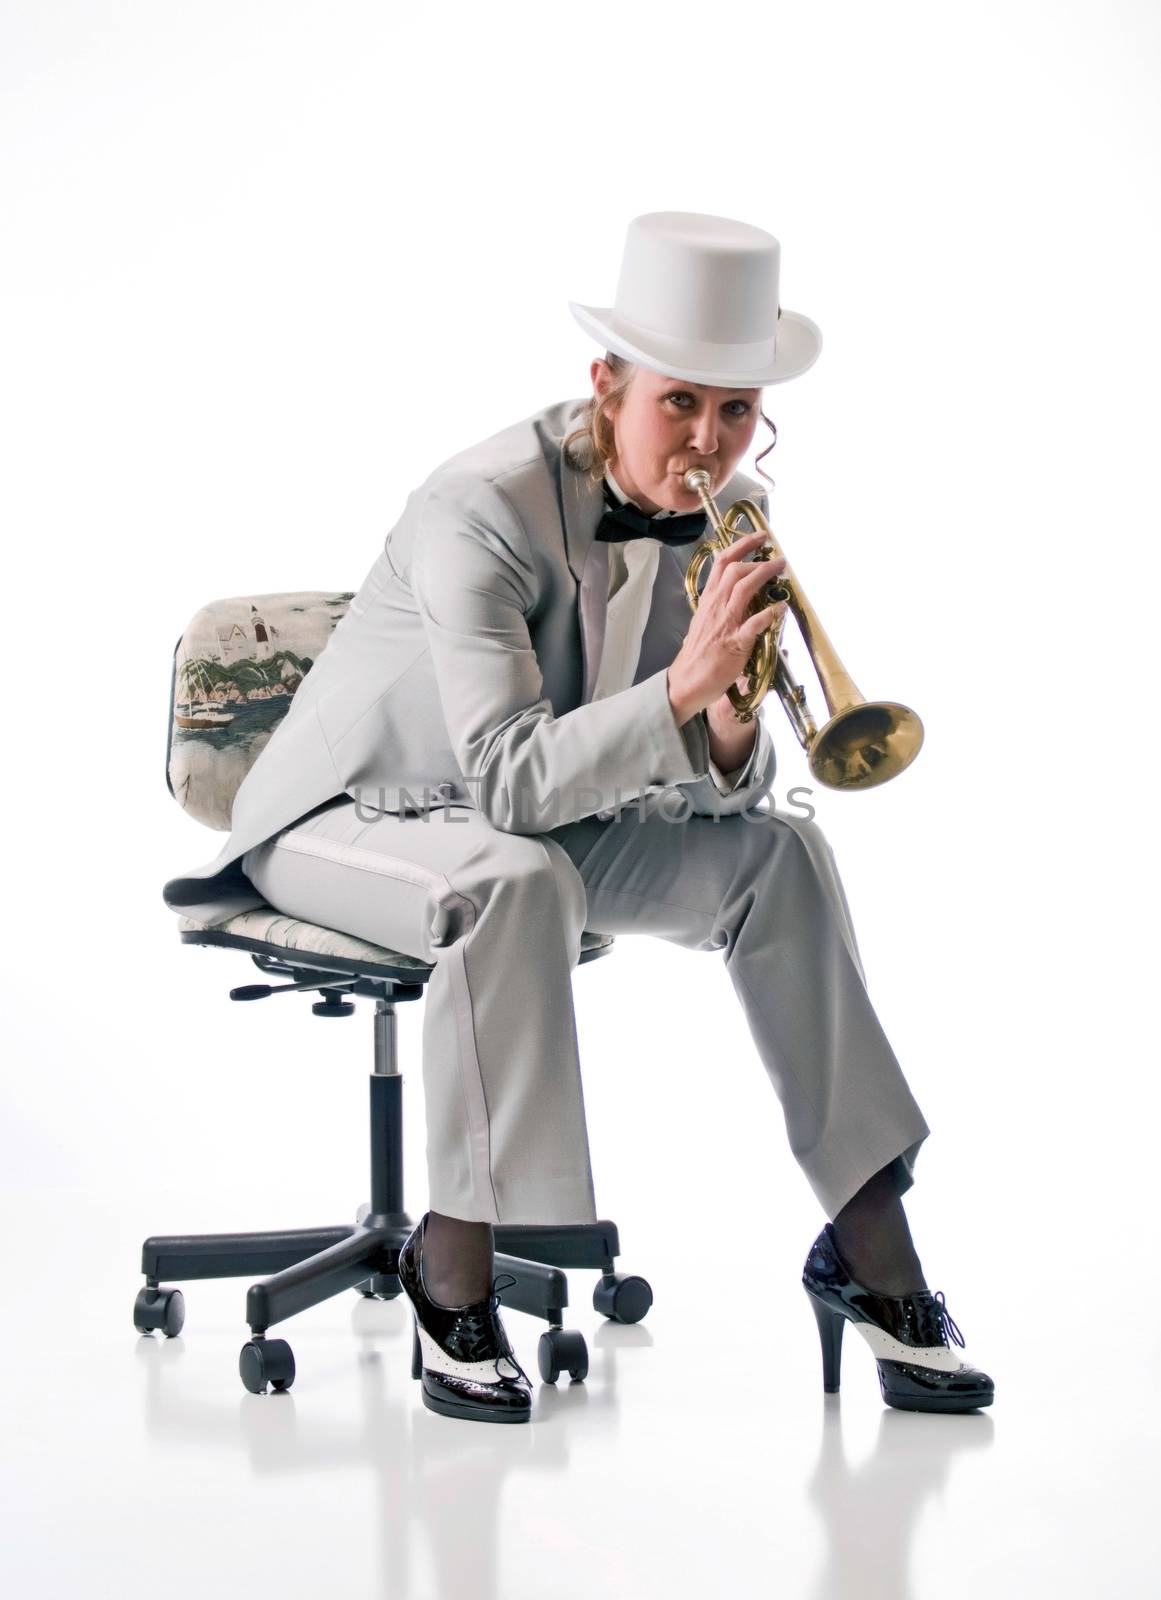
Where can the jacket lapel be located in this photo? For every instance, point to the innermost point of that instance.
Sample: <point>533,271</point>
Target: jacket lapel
<point>594,606</point>
<point>582,504</point>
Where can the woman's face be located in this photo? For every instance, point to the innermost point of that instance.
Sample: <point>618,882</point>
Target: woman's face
<point>663,426</point>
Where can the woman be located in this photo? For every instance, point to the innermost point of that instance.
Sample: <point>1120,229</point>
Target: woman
<point>518,731</point>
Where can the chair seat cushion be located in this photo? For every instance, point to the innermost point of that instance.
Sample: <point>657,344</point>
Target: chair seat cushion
<point>270,927</point>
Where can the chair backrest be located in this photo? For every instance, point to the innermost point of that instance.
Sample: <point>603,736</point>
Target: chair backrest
<point>235,670</point>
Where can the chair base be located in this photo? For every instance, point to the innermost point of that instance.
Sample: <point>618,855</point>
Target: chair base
<point>306,1266</point>
<point>309,1265</point>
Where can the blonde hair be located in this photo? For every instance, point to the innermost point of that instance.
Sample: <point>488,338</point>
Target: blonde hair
<point>591,445</point>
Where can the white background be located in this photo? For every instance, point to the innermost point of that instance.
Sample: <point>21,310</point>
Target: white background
<point>265,266</point>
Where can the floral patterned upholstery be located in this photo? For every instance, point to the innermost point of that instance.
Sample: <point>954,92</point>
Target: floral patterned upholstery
<point>235,670</point>
<point>289,933</point>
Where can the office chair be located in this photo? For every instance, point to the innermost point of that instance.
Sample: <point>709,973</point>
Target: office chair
<point>235,669</point>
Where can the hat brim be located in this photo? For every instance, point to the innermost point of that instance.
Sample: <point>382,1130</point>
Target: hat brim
<point>799,343</point>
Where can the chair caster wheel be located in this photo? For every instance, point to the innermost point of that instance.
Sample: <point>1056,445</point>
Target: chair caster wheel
<point>560,1350</point>
<point>159,1308</point>
<point>622,1297</point>
<point>266,1361</point>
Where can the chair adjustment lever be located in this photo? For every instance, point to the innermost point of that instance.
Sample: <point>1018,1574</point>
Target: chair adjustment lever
<point>259,991</point>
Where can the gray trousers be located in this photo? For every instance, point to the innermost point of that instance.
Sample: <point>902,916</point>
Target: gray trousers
<point>500,915</point>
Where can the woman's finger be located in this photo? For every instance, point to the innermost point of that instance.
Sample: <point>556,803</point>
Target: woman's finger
<point>742,571</point>
<point>750,581</point>
<point>744,546</point>
<point>726,560</point>
<point>763,619</point>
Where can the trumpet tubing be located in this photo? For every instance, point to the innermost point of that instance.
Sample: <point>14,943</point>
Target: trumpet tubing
<point>863,743</point>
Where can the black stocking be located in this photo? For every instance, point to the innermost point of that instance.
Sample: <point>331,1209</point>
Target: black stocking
<point>875,1241</point>
<point>871,1229</point>
<point>458,1260</point>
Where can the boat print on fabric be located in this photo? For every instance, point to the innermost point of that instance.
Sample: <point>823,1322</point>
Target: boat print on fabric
<point>235,672</point>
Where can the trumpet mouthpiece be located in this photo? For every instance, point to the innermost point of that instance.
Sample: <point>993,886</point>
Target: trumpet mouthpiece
<point>696,478</point>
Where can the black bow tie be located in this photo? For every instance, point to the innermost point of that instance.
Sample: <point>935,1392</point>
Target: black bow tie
<point>628,521</point>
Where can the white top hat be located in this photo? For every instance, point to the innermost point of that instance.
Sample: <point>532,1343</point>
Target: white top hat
<point>698,299</point>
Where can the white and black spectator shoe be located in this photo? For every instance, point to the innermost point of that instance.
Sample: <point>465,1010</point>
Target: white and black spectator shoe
<point>910,1336</point>
<point>462,1353</point>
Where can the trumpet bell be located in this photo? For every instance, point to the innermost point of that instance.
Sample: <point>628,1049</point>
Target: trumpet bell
<point>865,745</point>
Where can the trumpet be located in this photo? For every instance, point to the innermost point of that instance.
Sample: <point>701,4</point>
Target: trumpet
<point>864,742</point>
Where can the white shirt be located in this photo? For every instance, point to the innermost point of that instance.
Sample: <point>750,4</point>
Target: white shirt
<point>632,570</point>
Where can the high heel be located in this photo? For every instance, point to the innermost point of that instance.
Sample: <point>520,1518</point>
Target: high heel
<point>458,1351</point>
<point>830,1334</point>
<point>910,1336</point>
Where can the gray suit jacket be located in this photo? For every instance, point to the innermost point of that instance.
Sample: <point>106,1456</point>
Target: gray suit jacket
<point>463,670</point>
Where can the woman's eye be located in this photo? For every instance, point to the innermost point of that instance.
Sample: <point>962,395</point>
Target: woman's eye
<point>683,401</point>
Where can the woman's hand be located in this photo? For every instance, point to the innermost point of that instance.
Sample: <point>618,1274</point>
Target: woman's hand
<point>721,636</point>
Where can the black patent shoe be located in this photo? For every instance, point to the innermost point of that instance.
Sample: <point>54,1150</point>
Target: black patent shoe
<point>462,1353</point>
<point>910,1337</point>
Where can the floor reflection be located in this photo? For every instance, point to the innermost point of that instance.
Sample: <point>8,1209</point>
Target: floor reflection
<point>871,1511</point>
<point>439,1486</point>
<point>438,1483</point>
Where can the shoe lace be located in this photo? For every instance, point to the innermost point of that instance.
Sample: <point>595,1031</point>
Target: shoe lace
<point>939,1321</point>
<point>479,1326</point>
